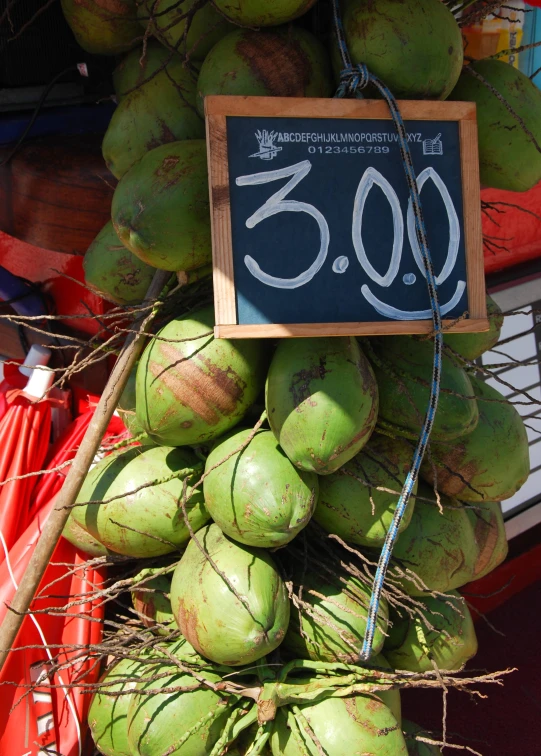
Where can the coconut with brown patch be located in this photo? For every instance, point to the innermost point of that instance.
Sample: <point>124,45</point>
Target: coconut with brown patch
<point>191,387</point>
<point>288,62</point>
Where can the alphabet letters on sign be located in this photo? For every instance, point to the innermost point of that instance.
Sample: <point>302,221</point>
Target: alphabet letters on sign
<point>313,228</point>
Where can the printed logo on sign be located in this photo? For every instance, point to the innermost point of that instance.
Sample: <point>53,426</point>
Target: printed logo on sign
<point>267,149</point>
<point>433,146</point>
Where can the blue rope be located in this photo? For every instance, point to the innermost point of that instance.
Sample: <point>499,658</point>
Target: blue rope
<point>352,80</point>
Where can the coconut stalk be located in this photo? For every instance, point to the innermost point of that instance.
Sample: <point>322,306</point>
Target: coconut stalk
<point>83,459</point>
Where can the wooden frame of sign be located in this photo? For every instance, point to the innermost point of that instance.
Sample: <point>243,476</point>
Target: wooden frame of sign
<point>218,108</point>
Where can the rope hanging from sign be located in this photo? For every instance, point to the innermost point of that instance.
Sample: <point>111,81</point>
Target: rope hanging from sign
<point>353,79</point>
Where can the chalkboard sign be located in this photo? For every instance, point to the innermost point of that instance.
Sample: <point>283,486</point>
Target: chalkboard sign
<point>312,226</point>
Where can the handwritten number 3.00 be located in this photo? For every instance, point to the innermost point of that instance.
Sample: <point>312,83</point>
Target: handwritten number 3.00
<point>278,204</point>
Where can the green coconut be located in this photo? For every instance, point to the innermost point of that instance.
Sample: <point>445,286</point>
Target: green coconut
<point>138,66</point>
<point>126,410</point>
<point>257,496</point>
<point>350,504</point>
<point>183,723</point>
<point>157,112</point>
<point>438,546</point>
<point>414,47</point>
<point>508,155</point>
<point>472,345</point>
<point>113,272</point>
<point>82,540</point>
<point>192,387</point>
<point>108,715</point>
<point>489,530</point>
<point>161,210</point>
<point>288,62</point>
<point>332,620</point>
<point>342,727</point>
<point>322,401</point>
<point>209,614</point>
<point>103,27</point>
<point>261,12</point>
<point>148,522</point>
<point>444,636</point>
<point>416,747</point>
<point>403,367</point>
<point>168,23</point>
<point>489,464</point>
<point>150,599</point>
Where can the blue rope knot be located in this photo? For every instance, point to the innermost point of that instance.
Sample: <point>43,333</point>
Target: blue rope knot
<point>353,79</point>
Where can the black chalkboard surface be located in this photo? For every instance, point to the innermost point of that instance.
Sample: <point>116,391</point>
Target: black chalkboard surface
<point>312,226</point>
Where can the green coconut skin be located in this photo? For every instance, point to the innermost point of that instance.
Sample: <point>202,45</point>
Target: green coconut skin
<point>440,548</point>
<point>414,47</point>
<point>160,208</point>
<point>103,27</point>
<point>404,380</point>
<point>154,510</point>
<point>262,13</point>
<point>113,272</point>
<point>418,747</point>
<point>108,715</point>
<point>508,158</point>
<point>257,497</point>
<point>489,530</point>
<point>151,600</point>
<point>195,390</point>
<point>160,111</point>
<point>342,726</point>
<point>139,65</point>
<point>168,23</point>
<point>359,513</point>
<point>471,346</point>
<point>322,401</point>
<point>333,627</point>
<point>450,643</point>
<point>489,464</point>
<point>82,540</point>
<point>159,723</point>
<point>208,613</point>
<point>126,410</point>
<point>280,63</point>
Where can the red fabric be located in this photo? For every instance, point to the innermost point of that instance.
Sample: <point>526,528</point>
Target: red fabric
<point>25,431</point>
<point>513,222</point>
<point>54,717</point>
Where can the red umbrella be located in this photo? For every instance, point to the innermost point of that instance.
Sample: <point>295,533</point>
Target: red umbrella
<point>16,374</point>
<point>24,439</point>
<point>50,719</point>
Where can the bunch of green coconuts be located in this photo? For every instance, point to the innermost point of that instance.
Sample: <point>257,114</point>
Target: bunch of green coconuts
<point>229,501</point>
